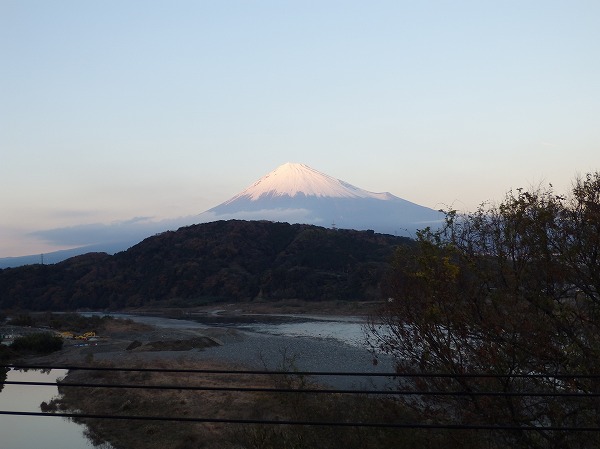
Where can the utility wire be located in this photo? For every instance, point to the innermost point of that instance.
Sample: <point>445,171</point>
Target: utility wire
<point>308,390</point>
<point>500,427</point>
<point>312,373</point>
<point>314,423</point>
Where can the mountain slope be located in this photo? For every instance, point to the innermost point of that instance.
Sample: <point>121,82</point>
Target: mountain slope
<point>224,260</point>
<point>297,193</point>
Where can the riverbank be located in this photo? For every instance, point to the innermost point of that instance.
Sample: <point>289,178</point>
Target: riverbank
<point>141,339</point>
<point>130,344</point>
<point>192,345</point>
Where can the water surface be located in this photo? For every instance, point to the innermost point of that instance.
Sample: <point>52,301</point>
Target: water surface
<point>32,432</point>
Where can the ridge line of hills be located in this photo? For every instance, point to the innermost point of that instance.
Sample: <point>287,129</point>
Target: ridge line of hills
<point>224,260</point>
<point>293,193</point>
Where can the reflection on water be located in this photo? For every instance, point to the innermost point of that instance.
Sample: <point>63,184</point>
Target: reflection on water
<point>27,432</point>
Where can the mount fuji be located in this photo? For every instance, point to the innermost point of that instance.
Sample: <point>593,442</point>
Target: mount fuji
<point>297,193</point>
<point>293,193</point>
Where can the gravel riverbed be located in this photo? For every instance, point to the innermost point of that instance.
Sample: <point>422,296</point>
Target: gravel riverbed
<point>260,350</point>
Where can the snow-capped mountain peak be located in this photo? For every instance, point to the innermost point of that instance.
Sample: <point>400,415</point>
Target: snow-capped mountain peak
<point>297,193</point>
<point>292,179</point>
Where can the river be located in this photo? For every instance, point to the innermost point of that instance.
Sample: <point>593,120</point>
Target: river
<point>309,343</point>
<point>29,432</point>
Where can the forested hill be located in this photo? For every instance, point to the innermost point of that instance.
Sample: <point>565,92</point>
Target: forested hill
<point>223,260</point>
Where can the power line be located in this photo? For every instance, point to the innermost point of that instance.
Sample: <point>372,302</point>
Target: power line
<point>493,427</point>
<point>314,373</point>
<point>309,390</point>
<point>312,423</point>
<point>207,371</point>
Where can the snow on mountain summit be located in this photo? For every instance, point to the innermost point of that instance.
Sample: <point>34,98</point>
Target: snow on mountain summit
<point>297,193</point>
<point>292,179</point>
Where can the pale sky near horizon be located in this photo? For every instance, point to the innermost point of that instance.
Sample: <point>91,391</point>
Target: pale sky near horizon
<point>114,110</point>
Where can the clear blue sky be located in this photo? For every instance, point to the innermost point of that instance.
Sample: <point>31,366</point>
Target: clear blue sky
<point>118,109</point>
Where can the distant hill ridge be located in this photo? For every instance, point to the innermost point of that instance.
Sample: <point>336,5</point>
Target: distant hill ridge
<point>223,260</point>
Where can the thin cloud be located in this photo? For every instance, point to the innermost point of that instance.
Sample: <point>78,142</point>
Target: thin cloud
<point>132,230</point>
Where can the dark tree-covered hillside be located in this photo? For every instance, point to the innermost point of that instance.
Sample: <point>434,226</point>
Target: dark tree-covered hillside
<point>233,260</point>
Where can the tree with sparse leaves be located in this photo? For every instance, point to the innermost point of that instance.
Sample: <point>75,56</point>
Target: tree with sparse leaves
<point>511,290</point>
